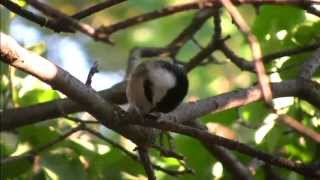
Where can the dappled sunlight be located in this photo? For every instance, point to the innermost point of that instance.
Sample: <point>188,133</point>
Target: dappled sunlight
<point>268,124</point>
<point>142,35</point>
<point>217,170</point>
<point>281,34</point>
<point>221,130</point>
<point>220,85</point>
<point>283,102</point>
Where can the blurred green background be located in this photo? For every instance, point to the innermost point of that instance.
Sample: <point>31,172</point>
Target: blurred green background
<point>83,156</point>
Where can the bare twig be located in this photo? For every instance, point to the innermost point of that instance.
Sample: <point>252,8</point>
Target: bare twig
<point>196,23</point>
<point>210,59</point>
<point>42,21</point>
<point>290,52</point>
<point>239,61</point>
<point>93,70</point>
<point>147,17</point>
<point>168,152</point>
<point>300,128</point>
<point>69,21</point>
<point>145,160</point>
<point>255,50</point>
<point>203,136</point>
<point>198,58</point>
<point>96,8</point>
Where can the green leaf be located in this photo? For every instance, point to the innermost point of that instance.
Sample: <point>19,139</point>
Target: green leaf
<point>254,112</point>
<point>273,18</point>
<point>8,143</point>
<point>224,117</point>
<point>63,166</point>
<point>198,157</point>
<point>15,168</point>
<point>37,96</point>
<point>112,164</point>
<point>37,135</point>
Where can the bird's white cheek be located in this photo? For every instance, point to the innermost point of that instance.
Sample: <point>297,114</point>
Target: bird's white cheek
<point>163,81</point>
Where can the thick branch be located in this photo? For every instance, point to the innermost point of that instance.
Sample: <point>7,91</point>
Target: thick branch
<point>12,53</point>
<point>310,66</point>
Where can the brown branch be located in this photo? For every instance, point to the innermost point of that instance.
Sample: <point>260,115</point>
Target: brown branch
<point>147,17</point>
<point>242,63</point>
<point>247,65</point>
<point>17,117</point>
<point>15,55</point>
<point>210,59</point>
<point>203,54</point>
<point>300,128</point>
<point>310,9</point>
<point>196,23</point>
<point>290,52</point>
<point>42,21</point>
<point>169,125</point>
<point>14,118</point>
<point>109,115</point>
<point>310,66</point>
<point>96,8</point>
<point>69,21</point>
<point>145,160</point>
<point>186,7</point>
<point>255,50</point>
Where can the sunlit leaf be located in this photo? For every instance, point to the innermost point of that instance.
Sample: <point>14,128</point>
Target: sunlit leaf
<point>63,166</point>
<point>37,96</point>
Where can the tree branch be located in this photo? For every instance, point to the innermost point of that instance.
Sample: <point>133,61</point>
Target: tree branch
<point>109,115</point>
<point>96,8</point>
<point>69,21</point>
<point>310,66</point>
<point>209,139</point>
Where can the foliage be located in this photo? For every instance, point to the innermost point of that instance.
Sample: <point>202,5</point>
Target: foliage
<point>83,156</point>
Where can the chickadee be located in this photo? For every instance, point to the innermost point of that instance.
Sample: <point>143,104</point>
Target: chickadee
<point>156,86</point>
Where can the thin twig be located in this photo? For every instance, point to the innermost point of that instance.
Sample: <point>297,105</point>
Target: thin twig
<point>299,127</point>
<point>255,50</point>
<point>96,8</point>
<point>42,21</point>
<point>93,70</point>
<point>197,22</point>
<point>198,58</point>
<point>145,160</point>
<point>203,136</point>
<point>290,52</point>
<point>65,20</point>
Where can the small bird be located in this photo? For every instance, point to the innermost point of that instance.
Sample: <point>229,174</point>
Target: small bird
<point>156,87</point>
